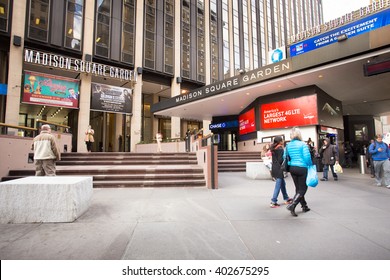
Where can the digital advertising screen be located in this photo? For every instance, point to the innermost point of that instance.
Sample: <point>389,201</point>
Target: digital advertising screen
<point>108,98</point>
<point>301,111</point>
<point>44,89</point>
<point>246,122</point>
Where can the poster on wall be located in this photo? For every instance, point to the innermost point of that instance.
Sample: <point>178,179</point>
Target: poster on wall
<point>246,122</point>
<point>108,98</point>
<point>301,111</point>
<point>44,89</point>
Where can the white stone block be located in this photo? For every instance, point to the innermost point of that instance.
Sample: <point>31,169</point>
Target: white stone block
<point>48,199</point>
<point>257,170</point>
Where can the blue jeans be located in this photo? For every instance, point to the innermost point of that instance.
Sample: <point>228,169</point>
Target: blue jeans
<point>326,169</point>
<point>280,185</point>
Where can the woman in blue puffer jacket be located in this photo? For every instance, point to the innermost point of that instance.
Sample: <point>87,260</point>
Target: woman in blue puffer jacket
<point>300,159</point>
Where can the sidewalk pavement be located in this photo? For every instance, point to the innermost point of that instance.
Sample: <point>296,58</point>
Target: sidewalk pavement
<point>349,220</point>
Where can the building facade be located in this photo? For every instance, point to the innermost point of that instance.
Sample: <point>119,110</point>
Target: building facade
<point>122,56</point>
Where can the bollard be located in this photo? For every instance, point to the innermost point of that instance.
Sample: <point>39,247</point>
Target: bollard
<point>362,164</point>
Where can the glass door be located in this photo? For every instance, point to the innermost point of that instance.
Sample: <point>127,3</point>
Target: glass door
<point>112,132</point>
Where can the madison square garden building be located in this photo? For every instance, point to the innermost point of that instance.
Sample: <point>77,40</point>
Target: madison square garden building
<point>105,62</point>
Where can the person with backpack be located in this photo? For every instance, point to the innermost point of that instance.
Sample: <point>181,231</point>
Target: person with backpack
<point>380,156</point>
<point>329,157</point>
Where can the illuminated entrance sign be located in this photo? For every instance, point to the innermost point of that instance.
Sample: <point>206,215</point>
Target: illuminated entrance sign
<point>77,65</point>
<point>356,28</point>
<point>223,125</point>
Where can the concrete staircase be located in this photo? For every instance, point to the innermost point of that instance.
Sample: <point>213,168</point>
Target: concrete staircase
<point>128,169</point>
<point>235,161</point>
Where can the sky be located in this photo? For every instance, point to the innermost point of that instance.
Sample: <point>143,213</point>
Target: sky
<point>337,8</point>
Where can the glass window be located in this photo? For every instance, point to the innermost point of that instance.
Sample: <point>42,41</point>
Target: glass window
<point>201,44</point>
<point>103,23</point>
<point>38,25</point>
<point>225,36</point>
<point>128,40</point>
<point>4,15</point>
<point>186,39</point>
<point>149,36</point>
<point>74,24</point>
<point>169,35</point>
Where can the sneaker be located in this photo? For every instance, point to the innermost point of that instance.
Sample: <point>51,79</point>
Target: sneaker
<point>336,179</point>
<point>378,185</point>
<point>323,179</point>
<point>388,186</point>
<point>288,201</point>
<point>274,205</point>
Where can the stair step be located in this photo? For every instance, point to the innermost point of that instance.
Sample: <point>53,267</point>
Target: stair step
<point>126,162</point>
<point>157,183</point>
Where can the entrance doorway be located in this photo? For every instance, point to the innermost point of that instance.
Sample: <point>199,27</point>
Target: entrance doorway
<point>112,132</point>
<point>227,141</point>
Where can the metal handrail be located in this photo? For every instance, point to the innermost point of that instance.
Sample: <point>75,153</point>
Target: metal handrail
<point>17,126</point>
<point>52,123</point>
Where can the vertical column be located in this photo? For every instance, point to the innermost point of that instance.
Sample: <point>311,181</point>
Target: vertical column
<point>155,120</point>
<point>15,66</point>
<point>176,87</point>
<point>206,123</point>
<point>136,119</point>
<point>86,79</point>
<point>231,40</point>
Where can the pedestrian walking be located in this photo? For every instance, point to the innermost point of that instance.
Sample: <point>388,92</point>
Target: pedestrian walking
<point>380,153</point>
<point>46,152</point>
<point>329,157</point>
<point>300,160</point>
<point>277,151</point>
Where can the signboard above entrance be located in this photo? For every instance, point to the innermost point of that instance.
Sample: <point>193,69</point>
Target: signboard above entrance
<point>77,65</point>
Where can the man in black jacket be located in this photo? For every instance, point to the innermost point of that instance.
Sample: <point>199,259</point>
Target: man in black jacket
<point>329,157</point>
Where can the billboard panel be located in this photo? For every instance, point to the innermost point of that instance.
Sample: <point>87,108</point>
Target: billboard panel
<point>44,89</point>
<point>108,98</point>
<point>247,122</point>
<point>299,111</point>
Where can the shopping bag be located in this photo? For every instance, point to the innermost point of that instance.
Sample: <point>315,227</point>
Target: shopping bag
<point>337,168</point>
<point>312,177</point>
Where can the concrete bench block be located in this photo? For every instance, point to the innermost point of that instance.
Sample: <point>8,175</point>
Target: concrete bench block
<point>49,199</point>
<point>257,170</point>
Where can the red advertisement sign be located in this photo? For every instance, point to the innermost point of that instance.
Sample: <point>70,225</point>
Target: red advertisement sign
<point>247,122</point>
<point>300,111</point>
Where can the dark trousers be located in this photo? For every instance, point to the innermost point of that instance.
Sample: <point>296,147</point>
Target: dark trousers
<point>89,145</point>
<point>299,175</point>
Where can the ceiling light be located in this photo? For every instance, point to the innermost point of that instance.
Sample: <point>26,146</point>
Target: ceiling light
<point>98,40</point>
<point>2,11</point>
<point>247,93</point>
<point>320,76</point>
<point>37,21</point>
<point>70,31</point>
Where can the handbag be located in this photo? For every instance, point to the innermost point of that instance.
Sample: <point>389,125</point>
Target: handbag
<point>312,177</point>
<point>285,166</point>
